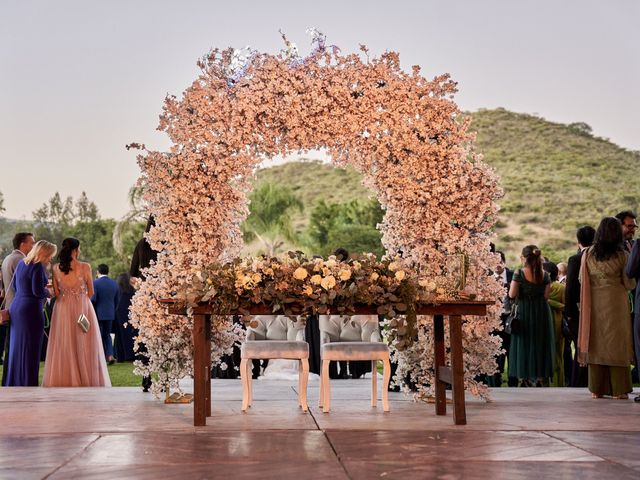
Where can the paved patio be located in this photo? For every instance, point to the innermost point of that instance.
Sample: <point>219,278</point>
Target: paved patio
<point>122,433</point>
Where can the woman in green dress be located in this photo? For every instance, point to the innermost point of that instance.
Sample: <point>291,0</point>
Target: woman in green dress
<point>605,343</point>
<point>531,356</point>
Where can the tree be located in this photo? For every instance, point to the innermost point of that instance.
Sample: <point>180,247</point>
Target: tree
<point>57,219</point>
<point>355,239</point>
<point>53,218</point>
<point>351,225</point>
<point>582,128</point>
<point>2,209</point>
<point>86,210</point>
<point>131,226</point>
<point>271,208</point>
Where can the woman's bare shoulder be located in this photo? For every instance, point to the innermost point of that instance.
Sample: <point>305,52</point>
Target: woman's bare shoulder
<point>85,266</point>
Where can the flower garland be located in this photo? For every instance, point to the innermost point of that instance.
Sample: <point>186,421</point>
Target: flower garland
<point>401,130</point>
<point>295,285</point>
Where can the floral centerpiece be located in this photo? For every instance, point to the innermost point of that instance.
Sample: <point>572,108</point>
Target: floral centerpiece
<point>295,285</point>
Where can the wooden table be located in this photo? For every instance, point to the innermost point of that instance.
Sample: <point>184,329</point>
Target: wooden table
<point>444,375</point>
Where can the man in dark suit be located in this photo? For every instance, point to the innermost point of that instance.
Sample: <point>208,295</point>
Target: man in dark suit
<point>633,271</point>
<point>504,275</point>
<point>105,301</point>
<point>585,236</point>
<point>629,226</point>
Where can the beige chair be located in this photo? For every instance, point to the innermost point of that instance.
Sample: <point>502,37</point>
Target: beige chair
<point>352,338</point>
<point>274,337</point>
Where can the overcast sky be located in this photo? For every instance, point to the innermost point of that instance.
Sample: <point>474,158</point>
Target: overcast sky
<point>80,79</point>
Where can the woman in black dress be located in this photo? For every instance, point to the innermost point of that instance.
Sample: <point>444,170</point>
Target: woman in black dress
<point>143,255</point>
<point>124,333</point>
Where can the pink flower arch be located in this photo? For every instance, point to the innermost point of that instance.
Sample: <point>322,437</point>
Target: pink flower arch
<point>403,132</point>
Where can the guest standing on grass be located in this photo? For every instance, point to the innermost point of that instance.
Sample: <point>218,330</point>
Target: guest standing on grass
<point>22,244</point>
<point>143,256</point>
<point>27,316</point>
<point>105,301</point>
<point>504,275</point>
<point>604,339</point>
<point>556,302</point>
<point>578,376</point>
<point>531,356</point>
<point>75,357</point>
<point>124,331</point>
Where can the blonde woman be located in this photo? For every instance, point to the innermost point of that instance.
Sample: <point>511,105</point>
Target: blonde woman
<point>27,317</point>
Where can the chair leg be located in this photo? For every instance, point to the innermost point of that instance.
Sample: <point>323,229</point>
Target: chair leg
<point>300,383</point>
<point>321,396</point>
<point>245,386</point>
<point>304,377</point>
<point>326,387</point>
<point>374,384</point>
<point>386,376</point>
<point>249,375</point>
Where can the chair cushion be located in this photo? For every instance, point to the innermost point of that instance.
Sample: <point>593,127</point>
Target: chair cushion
<point>265,349</point>
<point>354,351</point>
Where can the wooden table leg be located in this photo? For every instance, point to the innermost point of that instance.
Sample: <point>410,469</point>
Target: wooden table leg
<point>207,329</point>
<point>200,363</point>
<point>457,366</point>
<point>438,335</point>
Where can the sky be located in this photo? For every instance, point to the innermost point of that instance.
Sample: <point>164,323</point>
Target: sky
<point>81,79</point>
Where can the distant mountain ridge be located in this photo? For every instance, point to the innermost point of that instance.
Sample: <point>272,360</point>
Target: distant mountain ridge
<point>556,177</point>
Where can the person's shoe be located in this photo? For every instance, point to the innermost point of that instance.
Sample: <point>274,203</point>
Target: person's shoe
<point>111,360</point>
<point>637,399</point>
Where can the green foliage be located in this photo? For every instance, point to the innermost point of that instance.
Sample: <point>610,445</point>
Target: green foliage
<point>355,238</point>
<point>270,219</point>
<point>350,225</point>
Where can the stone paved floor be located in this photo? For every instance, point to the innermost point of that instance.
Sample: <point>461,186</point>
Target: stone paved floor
<point>123,433</point>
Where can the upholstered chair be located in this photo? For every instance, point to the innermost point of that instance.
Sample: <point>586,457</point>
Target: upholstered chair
<point>353,338</point>
<point>274,337</point>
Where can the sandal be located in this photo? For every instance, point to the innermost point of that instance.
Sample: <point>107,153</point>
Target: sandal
<point>596,395</point>
<point>624,396</point>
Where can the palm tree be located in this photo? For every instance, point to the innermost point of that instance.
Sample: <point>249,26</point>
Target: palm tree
<point>136,216</point>
<point>271,208</point>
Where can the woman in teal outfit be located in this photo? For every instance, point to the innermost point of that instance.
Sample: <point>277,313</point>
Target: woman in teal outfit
<point>531,355</point>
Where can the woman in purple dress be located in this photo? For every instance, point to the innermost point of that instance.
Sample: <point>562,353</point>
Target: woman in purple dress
<point>27,317</point>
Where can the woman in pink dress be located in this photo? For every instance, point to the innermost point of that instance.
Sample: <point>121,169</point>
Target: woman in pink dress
<point>74,358</point>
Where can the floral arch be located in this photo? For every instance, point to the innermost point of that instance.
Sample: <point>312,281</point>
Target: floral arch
<point>404,133</point>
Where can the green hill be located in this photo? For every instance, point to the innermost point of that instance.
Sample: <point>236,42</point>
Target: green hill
<point>556,177</point>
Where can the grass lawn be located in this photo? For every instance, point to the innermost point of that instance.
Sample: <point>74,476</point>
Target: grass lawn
<point>121,374</point>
